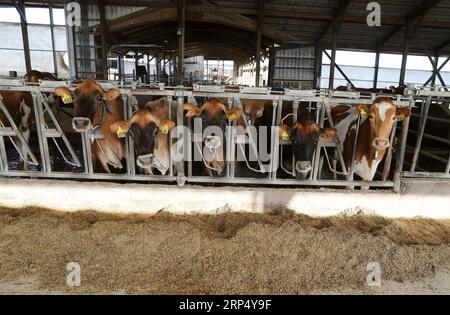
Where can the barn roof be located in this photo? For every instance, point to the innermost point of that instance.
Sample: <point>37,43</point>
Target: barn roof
<point>226,28</point>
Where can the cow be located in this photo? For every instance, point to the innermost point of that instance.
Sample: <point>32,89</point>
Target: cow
<point>103,109</point>
<point>215,116</point>
<point>34,76</point>
<point>19,105</point>
<point>149,129</point>
<point>373,139</point>
<point>303,135</point>
<point>392,89</point>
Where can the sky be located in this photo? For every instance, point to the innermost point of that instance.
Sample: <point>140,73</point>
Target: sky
<point>350,58</point>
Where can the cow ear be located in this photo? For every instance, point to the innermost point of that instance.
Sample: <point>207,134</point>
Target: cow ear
<point>233,114</point>
<point>111,94</point>
<point>119,128</point>
<point>402,113</point>
<point>328,134</point>
<point>363,110</point>
<point>65,93</point>
<point>192,110</point>
<point>165,125</point>
<point>284,131</point>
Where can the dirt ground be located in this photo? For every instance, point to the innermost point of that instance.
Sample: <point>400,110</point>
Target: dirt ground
<point>231,253</point>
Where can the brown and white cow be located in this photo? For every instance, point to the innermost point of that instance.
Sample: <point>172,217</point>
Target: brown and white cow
<point>215,117</point>
<point>149,129</point>
<point>34,76</point>
<point>373,139</point>
<point>392,89</point>
<point>103,108</point>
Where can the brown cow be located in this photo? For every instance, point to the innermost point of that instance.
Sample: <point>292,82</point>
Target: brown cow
<point>34,76</point>
<point>103,108</point>
<point>215,117</point>
<point>304,135</point>
<point>149,128</point>
<point>374,132</point>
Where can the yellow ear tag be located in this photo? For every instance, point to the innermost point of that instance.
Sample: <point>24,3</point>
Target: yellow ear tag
<point>66,98</point>
<point>121,133</point>
<point>363,113</point>
<point>232,117</point>
<point>284,136</point>
<point>165,129</point>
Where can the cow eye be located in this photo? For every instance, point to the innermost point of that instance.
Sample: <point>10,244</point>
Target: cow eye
<point>371,117</point>
<point>155,131</point>
<point>99,97</point>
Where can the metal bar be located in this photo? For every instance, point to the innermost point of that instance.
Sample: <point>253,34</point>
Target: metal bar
<point>3,156</point>
<point>26,43</point>
<point>401,154</point>
<point>198,179</point>
<point>181,40</point>
<point>182,137</point>
<point>437,119</point>
<point>426,175</point>
<point>423,123</point>
<point>447,168</point>
<point>43,144</point>
<point>377,68</point>
<point>388,158</point>
<point>428,154</point>
<point>355,145</point>
<point>52,33</point>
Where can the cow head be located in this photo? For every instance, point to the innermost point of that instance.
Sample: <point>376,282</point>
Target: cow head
<point>304,136</point>
<point>215,116</point>
<point>144,128</point>
<point>87,97</point>
<point>254,109</point>
<point>381,116</point>
<point>34,76</point>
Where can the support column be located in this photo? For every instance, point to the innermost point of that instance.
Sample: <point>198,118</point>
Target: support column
<point>104,39</point>
<point>318,66</point>
<point>332,64</point>
<point>258,42</point>
<point>181,40</point>
<point>52,33</point>
<point>401,81</point>
<point>377,68</point>
<point>26,44</point>
<point>272,61</point>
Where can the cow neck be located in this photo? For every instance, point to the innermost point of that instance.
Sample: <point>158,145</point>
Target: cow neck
<point>105,108</point>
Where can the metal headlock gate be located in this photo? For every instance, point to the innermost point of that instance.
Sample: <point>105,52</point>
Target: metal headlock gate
<point>318,103</point>
<point>438,96</point>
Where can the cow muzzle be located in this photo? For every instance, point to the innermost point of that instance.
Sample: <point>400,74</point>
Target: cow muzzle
<point>81,124</point>
<point>149,160</point>
<point>380,143</point>
<point>212,142</point>
<point>302,169</point>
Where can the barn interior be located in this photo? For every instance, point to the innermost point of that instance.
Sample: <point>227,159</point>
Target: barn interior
<point>260,43</point>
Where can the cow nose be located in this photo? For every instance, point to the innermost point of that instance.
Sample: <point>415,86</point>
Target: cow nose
<point>81,124</point>
<point>145,161</point>
<point>212,142</point>
<point>302,169</point>
<point>380,143</point>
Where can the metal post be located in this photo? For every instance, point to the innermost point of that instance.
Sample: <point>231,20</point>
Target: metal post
<point>423,122</point>
<point>401,154</point>
<point>332,64</point>
<point>181,137</point>
<point>181,40</point>
<point>355,145</point>
<point>43,144</point>
<point>447,168</point>
<point>388,158</point>
<point>377,68</point>
<point>52,32</point>
<point>258,42</point>
<point>26,44</point>
<point>404,58</point>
